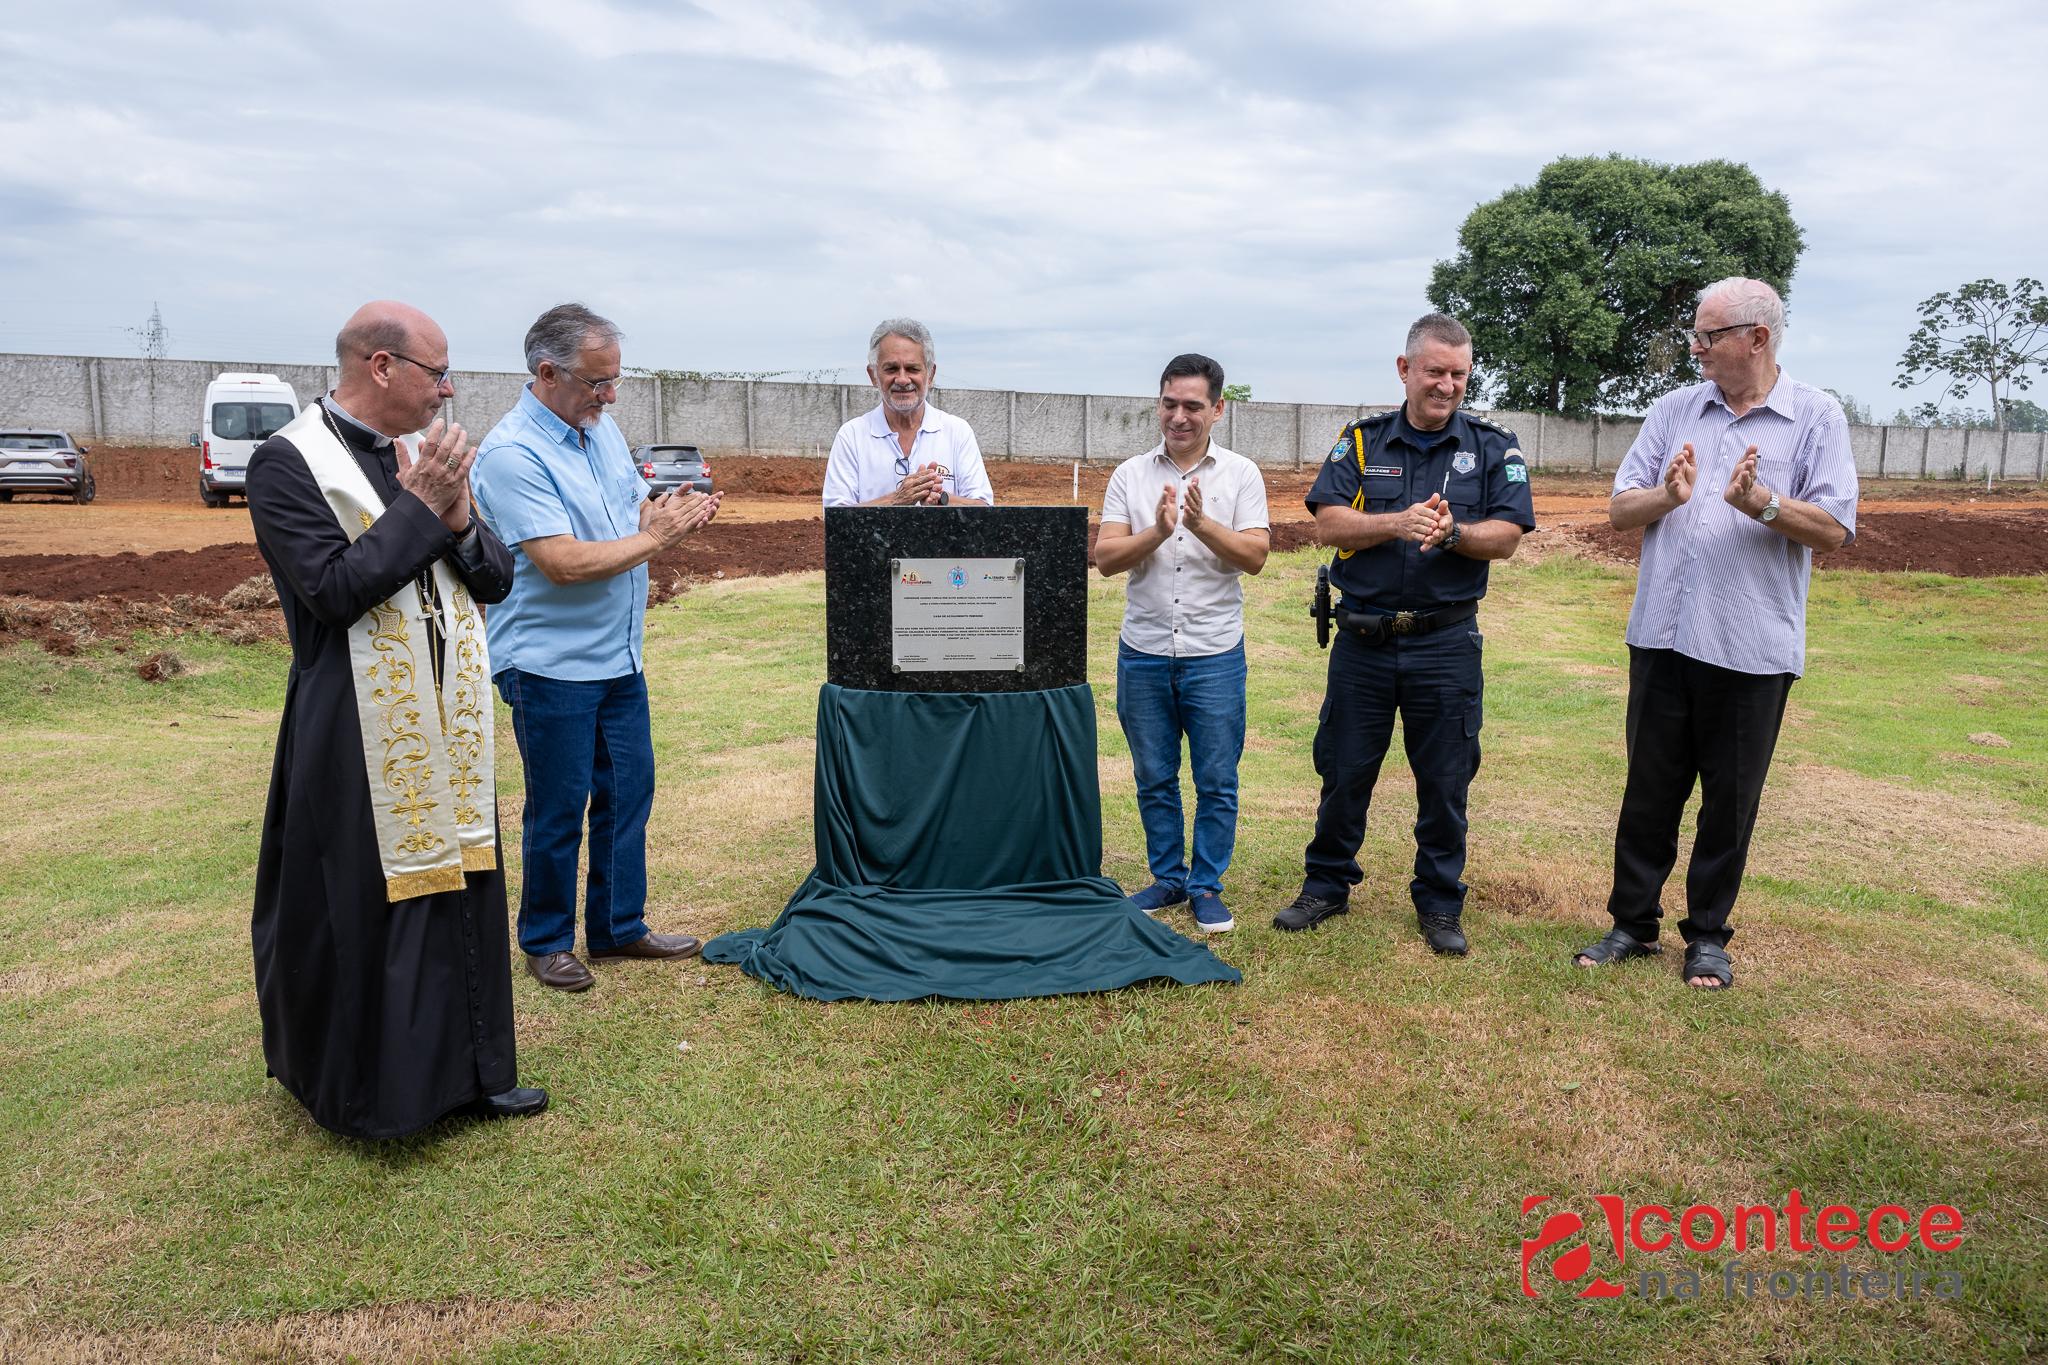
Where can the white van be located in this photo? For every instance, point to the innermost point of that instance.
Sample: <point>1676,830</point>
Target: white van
<point>242,411</point>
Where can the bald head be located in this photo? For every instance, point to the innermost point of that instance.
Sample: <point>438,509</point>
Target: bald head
<point>392,356</point>
<point>384,325</point>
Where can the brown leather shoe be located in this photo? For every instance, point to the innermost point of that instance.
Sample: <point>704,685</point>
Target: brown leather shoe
<point>560,970</point>
<point>654,945</point>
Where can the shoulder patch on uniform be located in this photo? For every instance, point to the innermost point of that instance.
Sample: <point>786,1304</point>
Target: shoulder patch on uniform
<point>1517,472</point>
<point>1514,453</point>
<point>1342,450</point>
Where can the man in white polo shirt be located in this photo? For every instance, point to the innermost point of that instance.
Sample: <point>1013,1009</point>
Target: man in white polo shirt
<point>906,452</point>
<point>1186,518</point>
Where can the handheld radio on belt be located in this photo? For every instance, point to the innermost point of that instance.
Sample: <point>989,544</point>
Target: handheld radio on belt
<point>1320,608</point>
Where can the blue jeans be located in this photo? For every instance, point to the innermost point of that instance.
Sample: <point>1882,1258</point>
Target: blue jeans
<point>1159,699</point>
<point>583,744</point>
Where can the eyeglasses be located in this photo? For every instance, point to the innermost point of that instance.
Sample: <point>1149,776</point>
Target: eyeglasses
<point>903,468</point>
<point>439,376</point>
<point>1705,340</point>
<point>598,386</point>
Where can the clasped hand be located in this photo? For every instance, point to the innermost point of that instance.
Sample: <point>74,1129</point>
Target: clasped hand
<point>677,514</point>
<point>1426,523</point>
<point>438,474</point>
<point>923,485</point>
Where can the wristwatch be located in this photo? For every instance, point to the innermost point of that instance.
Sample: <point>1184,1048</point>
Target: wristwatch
<point>1770,512</point>
<point>1450,542</point>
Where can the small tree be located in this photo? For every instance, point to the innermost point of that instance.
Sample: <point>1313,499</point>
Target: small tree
<point>1858,414</point>
<point>1982,333</point>
<point>1237,393</point>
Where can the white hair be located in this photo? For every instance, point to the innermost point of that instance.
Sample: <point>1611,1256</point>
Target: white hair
<point>1748,303</point>
<point>910,329</point>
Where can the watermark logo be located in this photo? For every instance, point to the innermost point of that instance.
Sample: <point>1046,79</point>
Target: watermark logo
<point>1562,1227</point>
<point>1560,1255</point>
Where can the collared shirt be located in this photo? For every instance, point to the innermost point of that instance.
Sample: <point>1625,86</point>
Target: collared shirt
<point>1715,584</point>
<point>1383,464</point>
<point>535,476</point>
<point>867,461</point>
<point>1183,600</point>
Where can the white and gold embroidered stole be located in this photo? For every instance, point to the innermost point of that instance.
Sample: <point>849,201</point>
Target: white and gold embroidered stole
<point>433,792</point>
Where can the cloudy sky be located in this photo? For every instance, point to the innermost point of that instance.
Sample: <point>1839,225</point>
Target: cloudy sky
<point>1067,192</point>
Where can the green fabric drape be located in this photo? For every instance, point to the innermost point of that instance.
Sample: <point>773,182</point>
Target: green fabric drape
<point>959,854</point>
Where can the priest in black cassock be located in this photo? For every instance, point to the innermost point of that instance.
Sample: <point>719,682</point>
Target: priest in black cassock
<point>382,968</point>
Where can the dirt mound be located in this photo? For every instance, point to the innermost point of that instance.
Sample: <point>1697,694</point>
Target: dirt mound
<point>1967,544</point>
<point>212,573</point>
<point>149,472</point>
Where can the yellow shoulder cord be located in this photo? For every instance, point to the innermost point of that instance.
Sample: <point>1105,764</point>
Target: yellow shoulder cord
<point>1358,498</point>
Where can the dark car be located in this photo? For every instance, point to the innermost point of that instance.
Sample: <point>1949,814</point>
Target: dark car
<point>44,462</point>
<point>669,467</point>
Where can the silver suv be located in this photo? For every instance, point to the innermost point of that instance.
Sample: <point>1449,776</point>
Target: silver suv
<point>669,467</point>
<point>44,462</point>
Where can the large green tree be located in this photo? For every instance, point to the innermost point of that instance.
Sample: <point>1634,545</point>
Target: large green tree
<point>1574,287</point>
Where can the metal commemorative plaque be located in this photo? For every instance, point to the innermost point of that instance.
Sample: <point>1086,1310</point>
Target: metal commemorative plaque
<point>956,615</point>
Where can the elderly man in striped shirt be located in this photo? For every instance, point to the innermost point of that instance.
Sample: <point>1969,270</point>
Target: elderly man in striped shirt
<point>1737,481</point>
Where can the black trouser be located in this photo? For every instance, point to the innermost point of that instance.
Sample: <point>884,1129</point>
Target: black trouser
<point>1689,720</point>
<point>1434,682</point>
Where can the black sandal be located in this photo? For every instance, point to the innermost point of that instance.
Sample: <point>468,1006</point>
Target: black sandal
<point>1618,946</point>
<point>1711,960</point>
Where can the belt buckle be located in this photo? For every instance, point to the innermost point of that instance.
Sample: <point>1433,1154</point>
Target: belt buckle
<point>1403,623</point>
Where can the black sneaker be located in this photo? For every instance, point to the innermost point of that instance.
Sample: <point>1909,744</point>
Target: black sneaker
<point>1442,933</point>
<point>1308,911</point>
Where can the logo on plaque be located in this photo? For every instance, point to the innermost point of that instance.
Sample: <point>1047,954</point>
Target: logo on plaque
<point>958,577</point>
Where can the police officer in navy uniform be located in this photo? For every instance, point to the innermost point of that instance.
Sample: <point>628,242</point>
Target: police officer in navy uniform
<point>1416,503</point>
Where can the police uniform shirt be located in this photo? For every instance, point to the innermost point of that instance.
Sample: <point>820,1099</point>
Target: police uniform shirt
<point>1383,464</point>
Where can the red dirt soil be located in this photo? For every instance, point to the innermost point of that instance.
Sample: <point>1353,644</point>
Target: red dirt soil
<point>63,600</point>
<point>1975,544</point>
<point>1987,544</point>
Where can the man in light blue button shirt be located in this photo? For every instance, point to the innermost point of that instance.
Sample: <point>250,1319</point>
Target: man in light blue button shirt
<point>1736,482</point>
<point>556,482</point>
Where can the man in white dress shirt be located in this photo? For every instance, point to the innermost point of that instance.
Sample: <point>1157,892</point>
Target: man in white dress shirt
<point>1186,518</point>
<point>905,453</point>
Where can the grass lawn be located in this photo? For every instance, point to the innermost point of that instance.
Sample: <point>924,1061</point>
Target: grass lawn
<point>1326,1163</point>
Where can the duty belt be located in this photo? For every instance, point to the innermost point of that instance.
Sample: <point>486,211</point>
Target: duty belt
<point>1376,628</point>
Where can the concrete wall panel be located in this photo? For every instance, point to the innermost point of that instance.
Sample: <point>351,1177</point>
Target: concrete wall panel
<point>2023,458</point>
<point>1049,426</point>
<point>1120,427</point>
<point>795,419</point>
<point>985,410</point>
<point>1266,433</point>
<point>708,413</point>
<point>48,391</point>
<point>1945,447</point>
<point>158,403</point>
<point>482,397</point>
